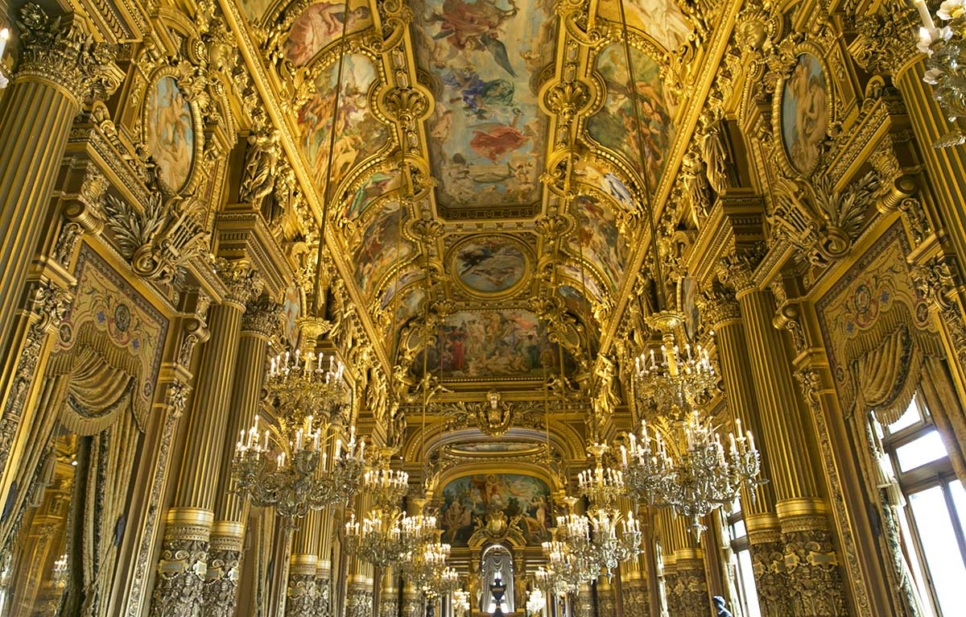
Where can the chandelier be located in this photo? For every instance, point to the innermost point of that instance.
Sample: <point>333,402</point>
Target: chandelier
<point>461,603</point>
<point>682,463</point>
<point>309,396</point>
<point>427,570</point>
<point>945,72</point>
<point>536,602</point>
<point>598,540</point>
<point>562,574</point>
<point>385,535</point>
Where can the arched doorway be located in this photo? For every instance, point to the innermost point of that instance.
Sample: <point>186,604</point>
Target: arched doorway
<point>496,563</point>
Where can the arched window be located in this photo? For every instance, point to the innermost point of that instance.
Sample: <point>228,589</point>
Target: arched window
<point>497,565</point>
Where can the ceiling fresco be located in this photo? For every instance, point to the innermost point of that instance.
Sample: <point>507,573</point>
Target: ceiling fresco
<point>512,114</point>
<point>614,126</point>
<point>487,134</point>
<point>359,134</point>
<point>662,20</point>
<point>490,264</point>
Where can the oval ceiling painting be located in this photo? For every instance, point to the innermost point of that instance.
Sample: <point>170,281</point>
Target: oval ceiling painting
<point>804,114</point>
<point>490,264</point>
<point>170,133</point>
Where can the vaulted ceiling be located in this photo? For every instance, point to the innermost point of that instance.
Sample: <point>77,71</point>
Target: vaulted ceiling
<point>486,170</point>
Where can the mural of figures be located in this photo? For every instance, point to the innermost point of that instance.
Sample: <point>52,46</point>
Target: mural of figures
<point>805,113</point>
<point>599,240</point>
<point>490,265</point>
<point>581,279</point>
<point>662,20</point>
<point>377,185</point>
<point>359,132</point>
<point>484,344</point>
<point>170,133</point>
<point>381,246</point>
<point>615,125</point>
<point>320,24</point>
<point>471,497</point>
<point>601,178</point>
<point>486,131</point>
<point>395,285</point>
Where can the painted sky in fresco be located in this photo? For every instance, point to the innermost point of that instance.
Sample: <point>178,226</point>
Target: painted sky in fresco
<point>487,132</point>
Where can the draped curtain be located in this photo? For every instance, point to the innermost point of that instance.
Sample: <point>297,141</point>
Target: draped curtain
<point>497,563</point>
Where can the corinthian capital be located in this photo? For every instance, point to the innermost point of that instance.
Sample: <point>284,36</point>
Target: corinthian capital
<point>243,282</point>
<point>885,40</point>
<point>719,306</point>
<point>58,50</point>
<point>738,270</point>
<point>263,317</point>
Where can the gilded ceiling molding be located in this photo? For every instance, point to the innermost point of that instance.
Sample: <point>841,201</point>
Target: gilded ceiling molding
<point>883,44</point>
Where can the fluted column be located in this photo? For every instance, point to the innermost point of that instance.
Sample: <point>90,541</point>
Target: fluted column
<point>606,598</point>
<point>231,510</point>
<point>184,557</point>
<point>634,589</point>
<point>412,605</point>
<point>303,589</point>
<point>764,531</point>
<point>815,584</point>
<point>323,580</point>
<point>358,602</point>
<point>685,583</point>
<point>389,598</point>
<point>59,72</point>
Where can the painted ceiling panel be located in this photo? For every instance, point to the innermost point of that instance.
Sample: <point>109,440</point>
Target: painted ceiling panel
<point>662,20</point>
<point>360,133</point>
<point>614,126</point>
<point>597,239</point>
<point>487,134</point>
<point>382,247</point>
<point>321,23</point>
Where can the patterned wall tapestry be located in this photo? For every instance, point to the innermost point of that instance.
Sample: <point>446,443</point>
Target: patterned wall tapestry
<point>467,500</point>
<point>111,319</point>
<point>874,304</point>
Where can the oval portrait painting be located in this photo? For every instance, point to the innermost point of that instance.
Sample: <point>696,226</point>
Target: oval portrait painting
<point>169,133</point>
<point>490,265</point>
<point>804,114</point>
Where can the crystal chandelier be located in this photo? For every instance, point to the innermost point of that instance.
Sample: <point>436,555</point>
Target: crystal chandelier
<point>309,396</point>
<point>385,535</point>
<point>461,603</point>
<point>945,69</point>
<point>536,602</point>
<point>598,540</point>
<point>562,575</point>
<point>681,463</point>
<point>600,485</point>
<point>427,570</point>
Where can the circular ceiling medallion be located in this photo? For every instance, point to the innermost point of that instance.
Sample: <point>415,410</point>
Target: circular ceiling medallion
<point>490,265</point>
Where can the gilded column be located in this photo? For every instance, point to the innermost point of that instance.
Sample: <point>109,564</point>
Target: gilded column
<point>231,510</point>
<point>811,565</point>
<point>722,312</point>
<point>412,602</point>
<point>685,583</point>
<point>358,602</point>
<point>323,579</point>
<point>389,598</point>
<point>60,70</point>
<point>584,606</point>
<point>184,556</point>
<point>303,589</point>
<point>634,589</point>
<point>606,600</point>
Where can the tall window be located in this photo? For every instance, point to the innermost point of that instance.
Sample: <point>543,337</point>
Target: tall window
<point>747,592</point>
<point>933,517</point>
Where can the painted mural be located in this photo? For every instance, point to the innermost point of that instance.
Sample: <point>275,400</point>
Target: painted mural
<point>381,246</point>
<point>486,136</point>
<point>615,125</point>
<point>394,285</point>
<point>375,186</point>
<point>359,132</point>
<point>105,304</point>
<point>495,447</point>
<point>582,279</point>
<point>490,264</point>
<point>169,132</point>
<point>320,24</point>
<point>605,180</point>
<point>597,239</point>
<point>662,20</point>
<point>467,499</point>
<point>485,344</point>
<point>804,113</point>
